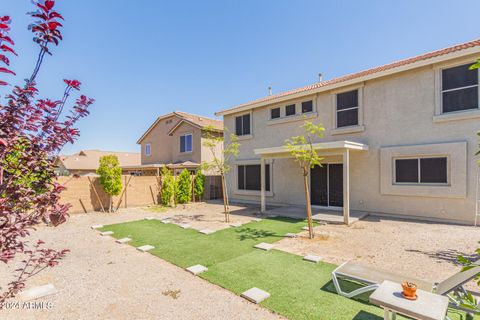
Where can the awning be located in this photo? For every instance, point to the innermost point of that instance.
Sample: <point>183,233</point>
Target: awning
<point>334,147</point>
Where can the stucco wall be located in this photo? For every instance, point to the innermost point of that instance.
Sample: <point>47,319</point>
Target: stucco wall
<point>398,110</point>
<point>160,142</point>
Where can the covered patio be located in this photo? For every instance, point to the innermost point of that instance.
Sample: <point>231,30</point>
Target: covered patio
<point>341,148</point>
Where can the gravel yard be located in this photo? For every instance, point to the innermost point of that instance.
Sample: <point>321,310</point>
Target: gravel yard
<point>100,279</point>
<point>419,249</point>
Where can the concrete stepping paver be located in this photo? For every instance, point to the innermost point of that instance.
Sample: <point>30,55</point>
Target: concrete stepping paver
<point>97,226</point>
<point>236,225</point>
<point>106,233</point>
<point>196,269</point>
<point>290,235</point>
<point>165,221</point>
<point>149,218</point>
<point>264,246</point>
<point>145,248</point>
<point>185,226</point>
<point>123,240</point>
<point>256,219</point>
<point>255,295</point>
<point>206,231</point>
<point>37,292</point>
<point>312,258</point>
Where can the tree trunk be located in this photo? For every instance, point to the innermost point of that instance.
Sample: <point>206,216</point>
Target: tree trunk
<point>225,199</point>
<point>309,207</point>
<point>110,205</point>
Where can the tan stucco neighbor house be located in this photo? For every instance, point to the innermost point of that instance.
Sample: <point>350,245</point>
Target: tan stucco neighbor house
<point>86,162</point>
<point>400,139</point>
<point>176,140</point>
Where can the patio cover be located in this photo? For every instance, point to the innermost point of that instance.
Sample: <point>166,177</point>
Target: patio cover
<point>342,147</point>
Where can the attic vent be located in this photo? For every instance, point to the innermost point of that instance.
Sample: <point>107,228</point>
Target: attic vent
<point>168,121</point>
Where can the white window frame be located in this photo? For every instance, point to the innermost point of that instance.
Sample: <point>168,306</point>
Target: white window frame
<point>148,149</point>
<point>243,136</point>
<point>439,116</point>
<point>253,192</point>
<point>191,137</point>
<point>359,127</point>
<point>419,183</point>
<point>460,88</point>
<point>298,116</point>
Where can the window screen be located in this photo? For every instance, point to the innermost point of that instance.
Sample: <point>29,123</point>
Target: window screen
<point>347,109</point>
<point>186,143</point>
<point>290,110</point>
<point>249,177</point>
<point>242,125</point>
<point>433,170</point>
<point>406,170</point>
<point>307,106</point>
<point>275,113</point>
<point>459,89</point>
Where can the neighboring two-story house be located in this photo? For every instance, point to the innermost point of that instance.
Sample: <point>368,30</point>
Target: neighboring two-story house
<point>176,140</point>
<point>400,139</point>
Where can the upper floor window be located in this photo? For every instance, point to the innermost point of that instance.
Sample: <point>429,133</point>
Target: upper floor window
<point>186,143</point>
<point>307,106</point>
<point>275,113</point>
<point>459,89</point>
<point>347,109</point>
<point>242,125</point>
<point>290,110</point>
<point>148,150</point>
<point>249,177</point>
<point>421,170</point>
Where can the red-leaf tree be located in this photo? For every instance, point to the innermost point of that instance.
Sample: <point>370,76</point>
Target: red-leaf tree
<point>32,133</point>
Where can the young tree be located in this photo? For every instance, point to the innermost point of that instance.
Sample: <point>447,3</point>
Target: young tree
<point>168,187</point>
<point>32,133</point>
<point>199,185</point>
<point>110,176</point>
<point>184,187</point>
<point>301,148</point>
<point>221,164</point>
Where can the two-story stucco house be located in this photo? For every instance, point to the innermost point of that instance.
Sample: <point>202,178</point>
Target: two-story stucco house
<point>176,140</point>
<point>400,139</point>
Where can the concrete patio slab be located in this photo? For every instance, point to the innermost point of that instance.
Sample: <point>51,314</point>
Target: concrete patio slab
<point>106,233</point>
<point>196,269</point>
<point>312,258</point>
<point>123,240</point>
<point>97,226</point>
<point>206,231</point>
<point>290,235</point>
<point>145,248</point>
<point>318,214</point>
<point>185,226</point>
<point>264,246</point>
<point>37,292</point>
<point>255,295</point>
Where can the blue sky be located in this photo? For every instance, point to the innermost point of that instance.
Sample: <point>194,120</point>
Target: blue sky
<point>143,58</point>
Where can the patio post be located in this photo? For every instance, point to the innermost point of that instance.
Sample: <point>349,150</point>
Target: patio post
<point>262,185</point>
<point>346,186</point>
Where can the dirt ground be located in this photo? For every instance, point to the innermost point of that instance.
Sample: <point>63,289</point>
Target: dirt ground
<point>419,249</point>
<point>100,279</point>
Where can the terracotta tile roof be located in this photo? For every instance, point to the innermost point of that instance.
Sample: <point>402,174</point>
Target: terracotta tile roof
<point>363,73</point>
<point>88,159</point>
<point>201,121</point>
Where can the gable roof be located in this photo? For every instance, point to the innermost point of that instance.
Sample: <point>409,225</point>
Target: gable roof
<point>196,120</point>
<point>463,49</point>
<point>88,159</point>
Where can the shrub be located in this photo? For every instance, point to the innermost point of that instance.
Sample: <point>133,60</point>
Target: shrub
<point>168,187</point>
<point>110,176</point>
<point>184,187</point>
<point>199,185</point>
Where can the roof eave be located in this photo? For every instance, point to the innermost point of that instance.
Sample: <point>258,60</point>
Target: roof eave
<point>414,65</point>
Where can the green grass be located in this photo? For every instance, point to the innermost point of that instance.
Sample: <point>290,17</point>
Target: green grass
<point>299,289</point>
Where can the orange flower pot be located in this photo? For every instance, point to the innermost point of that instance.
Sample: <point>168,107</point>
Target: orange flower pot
<point>409,289</point>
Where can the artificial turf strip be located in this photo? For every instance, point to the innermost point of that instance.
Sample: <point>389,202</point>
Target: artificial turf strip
<point>299,289</point>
